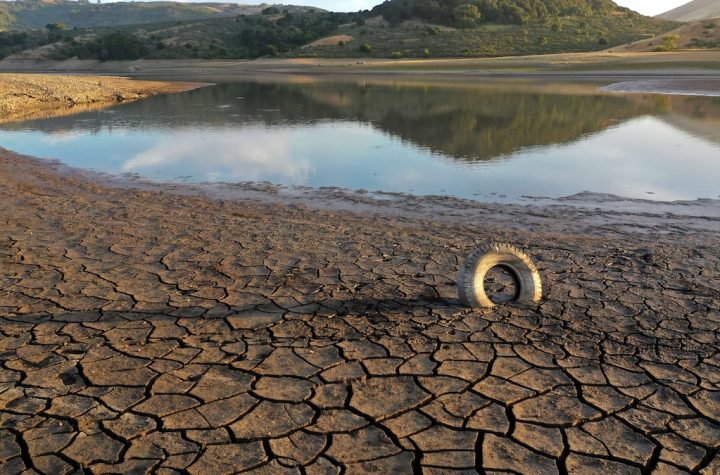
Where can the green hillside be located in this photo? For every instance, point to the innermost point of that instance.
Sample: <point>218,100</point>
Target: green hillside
<point>249,36</point>
<point>394,29</point>
<point>471,13</point>
<point>34,14</point>
<point>413,39</point>
<point>445,28</point>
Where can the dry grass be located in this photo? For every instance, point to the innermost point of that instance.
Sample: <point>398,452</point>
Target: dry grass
<point>331,40</point>
<point>706,31</point>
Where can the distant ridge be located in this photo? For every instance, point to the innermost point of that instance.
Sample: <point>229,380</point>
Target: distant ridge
<point>35,14</point>
<point>694,11</point>
<point>396,29</point>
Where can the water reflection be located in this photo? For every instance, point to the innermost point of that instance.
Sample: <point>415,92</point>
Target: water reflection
<point>261,157</point>
<point>459,139</point>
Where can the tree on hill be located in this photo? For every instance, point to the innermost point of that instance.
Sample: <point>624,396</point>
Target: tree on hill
<point>466,15</point>
<point>114,46</point>
<point>120,46</point>
<point>55,31</point>
<point>271,11</point>
<point>462,13</point>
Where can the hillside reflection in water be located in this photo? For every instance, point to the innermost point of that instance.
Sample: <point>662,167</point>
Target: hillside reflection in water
<point>465,140</point>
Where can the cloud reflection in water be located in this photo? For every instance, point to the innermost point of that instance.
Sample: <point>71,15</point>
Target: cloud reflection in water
<point>454,141</point>
<point>246,154</point>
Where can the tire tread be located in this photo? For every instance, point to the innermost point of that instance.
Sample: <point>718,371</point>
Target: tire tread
<point>466,276</point>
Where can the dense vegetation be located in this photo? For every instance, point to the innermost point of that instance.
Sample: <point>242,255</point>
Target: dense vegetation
<point>470,13</point>
<point>264,36</point>
<point>12,42</point>
<point>113,46</point>
<point>394,29</point>
<point>6,19</point>
<point>241,37</point>
<point>416,39</point>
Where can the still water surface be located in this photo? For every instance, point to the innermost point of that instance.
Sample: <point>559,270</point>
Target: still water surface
<point>490,141</point>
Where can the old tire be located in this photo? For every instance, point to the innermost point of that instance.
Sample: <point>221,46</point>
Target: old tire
<point>471,280</point>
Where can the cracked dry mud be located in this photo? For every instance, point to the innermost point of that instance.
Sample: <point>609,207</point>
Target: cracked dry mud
<point>147,331</point>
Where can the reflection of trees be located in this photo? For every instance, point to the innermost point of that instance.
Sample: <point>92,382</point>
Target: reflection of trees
<point>466,123</point>
<point>478,125</point>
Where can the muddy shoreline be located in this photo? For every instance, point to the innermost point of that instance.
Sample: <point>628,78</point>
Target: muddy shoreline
<point>600,64</point>
<point>642,215</point>
<point>159,328</point>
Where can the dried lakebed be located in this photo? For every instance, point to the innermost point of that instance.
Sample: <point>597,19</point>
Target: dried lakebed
<point>149,330</point>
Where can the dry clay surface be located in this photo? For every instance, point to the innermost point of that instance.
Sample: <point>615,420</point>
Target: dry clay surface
<point>35,95</point>
<point>147,331</point>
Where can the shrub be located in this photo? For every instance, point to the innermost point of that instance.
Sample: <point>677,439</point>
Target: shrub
<point>396,55</point>
<point>365,48</point>
<point>271,11</point>
<point>426,53</point>
<point>120,46</point>
<point>271,50</point>
<point>114,46</point>
<point>466,16</point>
<point>669,42</point>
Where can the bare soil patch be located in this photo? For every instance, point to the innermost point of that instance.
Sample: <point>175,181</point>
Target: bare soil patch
<point>331,40</point>
<point>147,329</point>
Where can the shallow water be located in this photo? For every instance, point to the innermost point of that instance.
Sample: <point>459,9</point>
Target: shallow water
<point>493,141</point>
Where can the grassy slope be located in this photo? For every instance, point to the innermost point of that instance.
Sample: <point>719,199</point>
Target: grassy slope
<point>699,34</point>
<point>28,14</point>
<point>221,38</point>
<point>570,34</point>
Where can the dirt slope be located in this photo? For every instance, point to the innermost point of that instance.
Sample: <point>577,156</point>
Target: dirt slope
<point>704,34</point>
<point>692,11</point>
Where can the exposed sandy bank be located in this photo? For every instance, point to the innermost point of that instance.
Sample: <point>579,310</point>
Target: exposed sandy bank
<point>24,96</point>
<point>604,64</point>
